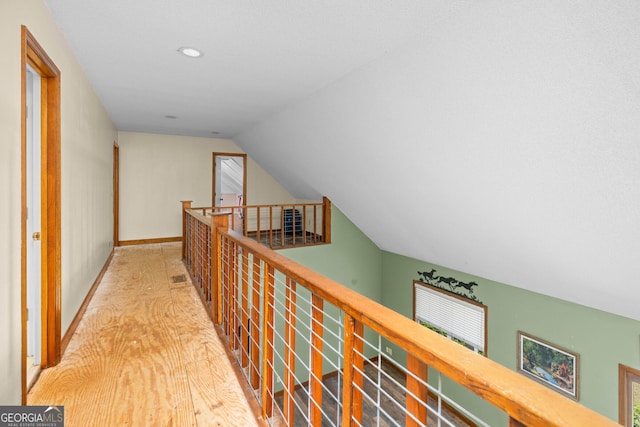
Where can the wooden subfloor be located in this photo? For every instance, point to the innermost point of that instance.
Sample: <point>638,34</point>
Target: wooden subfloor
<point>145,353</point>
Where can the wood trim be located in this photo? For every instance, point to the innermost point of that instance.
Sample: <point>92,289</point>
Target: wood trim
<point>186,204</point>
<point>220,222</point>
<point>245,312</point>
<point>315,374</point>
<point>233,300</point>
<point>416,406</point>
<point>347,392</point>
<point>150,241</point>
<point>83,308</point>
<point>254,373</point>
<point>353,368</point>
<point>358,373</point>
<point>116,194</point>
<point>267,341</point>
<point>33,54</point>
<point>326,220</point>
<point>290,351</point>
<point>625,374</point>
<point>622,395</point>
<point>227,286</point>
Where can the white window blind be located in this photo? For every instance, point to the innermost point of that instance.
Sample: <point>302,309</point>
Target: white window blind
<point>460,319</point>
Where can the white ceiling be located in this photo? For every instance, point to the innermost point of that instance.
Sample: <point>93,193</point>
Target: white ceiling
<point>497,138</point>
<point>503,142</point>
<point>259,56</point>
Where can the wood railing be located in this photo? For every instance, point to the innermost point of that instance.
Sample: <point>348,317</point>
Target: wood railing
<point>293,331</point>
<point>278,226</point>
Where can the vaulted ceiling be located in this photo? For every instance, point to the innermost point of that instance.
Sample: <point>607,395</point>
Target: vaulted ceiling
<point>498,138</point>
<point>259,56</point>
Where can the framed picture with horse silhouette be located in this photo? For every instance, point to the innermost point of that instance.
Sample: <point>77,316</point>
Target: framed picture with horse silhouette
<point>549,364</point>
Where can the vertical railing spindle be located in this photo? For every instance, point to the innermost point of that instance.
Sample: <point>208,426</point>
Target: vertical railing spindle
<point>290,351</point>
<point>244,338</point>
<point>258,237</point>
<point>417,393</point>
<point>347,388</point>
<point>254,375</point>
<point>271,226</point>
<point>315,224</point>
<point>267,346</point>
<point>358,363</point>
<point>315,376</point>
<point>304,224</point>
<point>233,298</point>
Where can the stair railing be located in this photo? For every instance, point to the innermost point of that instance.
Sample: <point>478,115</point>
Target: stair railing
<point>292,329</point>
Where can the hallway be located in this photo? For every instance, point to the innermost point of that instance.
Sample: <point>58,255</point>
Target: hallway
<point>145,353</point>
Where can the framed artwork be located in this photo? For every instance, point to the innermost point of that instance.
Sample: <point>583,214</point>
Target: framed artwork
<point>549,364</point>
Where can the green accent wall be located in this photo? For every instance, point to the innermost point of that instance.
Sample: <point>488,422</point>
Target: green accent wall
<point>351,259</point>
<point>602,340</point>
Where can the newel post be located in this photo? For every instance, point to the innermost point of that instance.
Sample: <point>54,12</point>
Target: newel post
<point>218,221</point>
<point>186,204</point>
<point>326,220</point>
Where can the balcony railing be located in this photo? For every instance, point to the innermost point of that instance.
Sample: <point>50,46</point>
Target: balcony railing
<point>312,350</point>
<point>278,226</point>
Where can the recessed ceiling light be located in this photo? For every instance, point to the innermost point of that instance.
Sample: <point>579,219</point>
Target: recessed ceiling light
<point>190,52</point>
<point>170,117</point>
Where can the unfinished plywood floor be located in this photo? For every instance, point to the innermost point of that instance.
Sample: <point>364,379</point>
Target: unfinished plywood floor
<point>145,353</point>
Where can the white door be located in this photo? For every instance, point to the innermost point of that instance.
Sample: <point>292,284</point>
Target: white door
<point>34,283</point>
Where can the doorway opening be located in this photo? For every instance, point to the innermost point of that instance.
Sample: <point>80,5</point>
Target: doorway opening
<point>40,209</point>
<point>229,186</point>
<point>34,284</point>
<point>229,179</point>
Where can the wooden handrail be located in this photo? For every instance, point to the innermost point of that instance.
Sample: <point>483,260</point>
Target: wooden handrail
<point>275,205</point>
<point>310,223</point>
<point>525,401</point>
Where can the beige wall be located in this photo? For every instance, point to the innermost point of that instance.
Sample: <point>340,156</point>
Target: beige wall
<point>158,171</point>
<point>87,223</point>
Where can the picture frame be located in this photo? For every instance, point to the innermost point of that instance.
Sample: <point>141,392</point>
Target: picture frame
<point>549,364</point>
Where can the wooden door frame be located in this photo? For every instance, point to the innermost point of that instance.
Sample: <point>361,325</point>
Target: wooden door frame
<point>626,375</point>
<point>116,194</point>
<point>213,174</point>
<point>35,56</point>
